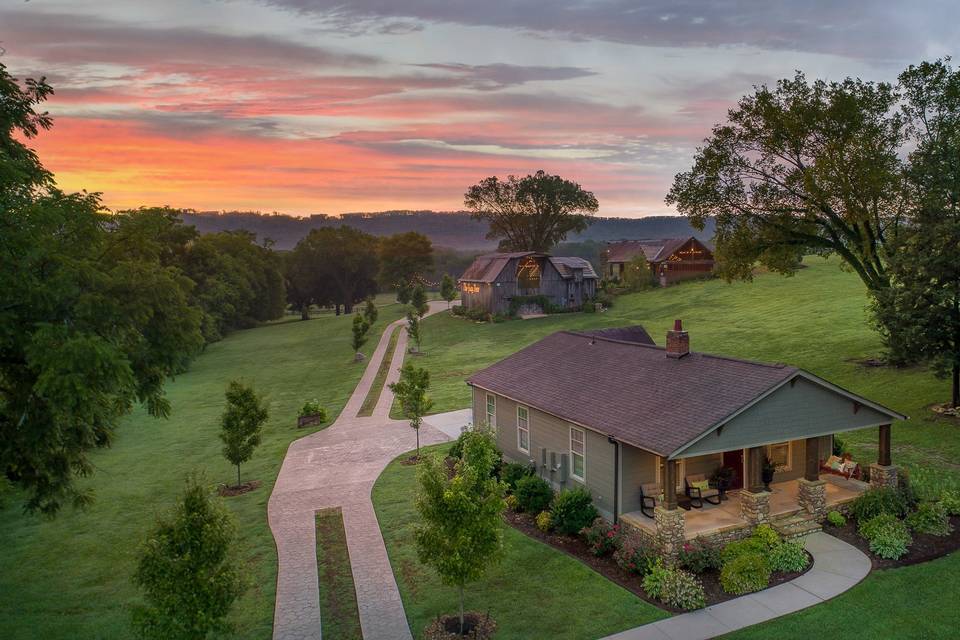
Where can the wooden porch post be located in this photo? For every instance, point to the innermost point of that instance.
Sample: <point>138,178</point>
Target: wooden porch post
<point>884,456</point>
<point>754,482</point>
<point>812,467</point>
<point>670,484</point>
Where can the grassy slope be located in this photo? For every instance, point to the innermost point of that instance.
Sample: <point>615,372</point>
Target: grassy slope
<point>528,593</point>
<point>817,320</point>
<point>70,577</point>
<point>910,603</point>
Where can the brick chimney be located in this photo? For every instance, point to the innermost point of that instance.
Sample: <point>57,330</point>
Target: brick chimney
<point>678,341</point>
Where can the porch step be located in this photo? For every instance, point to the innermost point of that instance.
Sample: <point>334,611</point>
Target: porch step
<point>795,527</point>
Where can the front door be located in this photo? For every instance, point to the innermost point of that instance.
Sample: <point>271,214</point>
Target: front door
<point>734,460</point>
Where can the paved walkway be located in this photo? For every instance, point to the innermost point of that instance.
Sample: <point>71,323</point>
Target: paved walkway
<point>451,422</point>
<point>337,467</point>
<point>837,567</point>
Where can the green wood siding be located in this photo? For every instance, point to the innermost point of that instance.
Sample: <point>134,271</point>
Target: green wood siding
<point>797,411</point>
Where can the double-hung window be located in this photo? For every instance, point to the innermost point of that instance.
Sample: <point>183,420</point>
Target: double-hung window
<point>578,454</point>
<point>491,411</point>
<point>523,429</point>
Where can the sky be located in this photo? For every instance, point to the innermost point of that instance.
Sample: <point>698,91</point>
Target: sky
<point>309,106</point>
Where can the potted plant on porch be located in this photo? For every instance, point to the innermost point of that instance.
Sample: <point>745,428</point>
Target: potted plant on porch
<point>766,472</point>
<point>721,479</point>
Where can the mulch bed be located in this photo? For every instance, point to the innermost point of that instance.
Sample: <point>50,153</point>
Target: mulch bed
<point>237,489</point>
<point>411,461</point>
<point>608,568</point>
<point>925,546</point>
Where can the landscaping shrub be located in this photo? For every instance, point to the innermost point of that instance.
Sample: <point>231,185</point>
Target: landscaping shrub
<point>533,494</point>
<point>456,449</point>
<point>745,573</point>
<point>458,310</point>
<point>511,502</point>
<point>544,521</point>
<point>839,446</point>
<point>635,555</point>
<point>877,501</point>
<point>738,548</point>
<point>513,472</point>
<point>572,511</point>
<point>674,587</point>
<point>766,536</point>
<point>602,537</point>
<point>950,499</point>
<point>313,408</point>
<point>700,555</point>
<point>888,537</point>
<point>604,298</point>
<point>788,556</point>
<point>930,517</point>
<point>836,519</point>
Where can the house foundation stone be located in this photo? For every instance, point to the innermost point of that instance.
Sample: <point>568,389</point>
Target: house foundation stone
<point>670,531</point>
<point>883,476</point>
<point>812,497</point>
<point>755,507</point>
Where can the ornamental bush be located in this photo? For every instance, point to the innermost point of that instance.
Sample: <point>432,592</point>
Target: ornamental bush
<point>888,537</point>
<point>836,519</point>
<point>700,555</point>
<point>313,408</point>
<point>602,537</point>
<point>636,555</point>
<point>877,501</point>
<point>572,511</point>
<point>741,547</point>
<point>789,556</point>
<point>930,517</point>
<point>950,499</point>
<point>513,472</point>
<point>674,587</point>
<point>765,534</point>
<point>511,502</point>
<point>544,521</point>
<point>745,573</point>
<point>533,494</point>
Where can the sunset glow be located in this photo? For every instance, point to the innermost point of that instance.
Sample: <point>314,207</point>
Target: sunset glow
<point>305,106</point>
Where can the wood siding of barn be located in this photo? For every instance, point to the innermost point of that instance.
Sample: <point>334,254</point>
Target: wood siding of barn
<point>495,297</point>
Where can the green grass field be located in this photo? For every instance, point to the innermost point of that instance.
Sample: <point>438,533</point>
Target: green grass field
<point>70,577</point>
<point>339,615</point>
<point>817,320</point>
<point>535,592</point>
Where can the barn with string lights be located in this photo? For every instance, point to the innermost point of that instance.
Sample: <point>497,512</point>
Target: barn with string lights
<point>527,282</point>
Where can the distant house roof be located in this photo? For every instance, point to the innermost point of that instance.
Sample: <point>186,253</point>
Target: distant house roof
<point>487,267</point>
<point>636,334</point>
<point>653,250</point>
<point>643,398</point>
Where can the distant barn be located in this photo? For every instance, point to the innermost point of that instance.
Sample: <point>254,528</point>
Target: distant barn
<point>495,280</point>
<point>670,259</point>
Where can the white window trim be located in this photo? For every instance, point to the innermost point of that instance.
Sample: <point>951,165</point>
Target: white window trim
<point>491,423</point>
<point>789,465</point>
<point>583,455</point>
<point>527,429</point>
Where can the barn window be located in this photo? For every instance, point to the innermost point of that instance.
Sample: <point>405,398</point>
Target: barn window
<point>528,273</point>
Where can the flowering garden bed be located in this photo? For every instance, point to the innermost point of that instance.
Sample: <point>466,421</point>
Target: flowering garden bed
<point>606,566</point>
<point>925,546</point>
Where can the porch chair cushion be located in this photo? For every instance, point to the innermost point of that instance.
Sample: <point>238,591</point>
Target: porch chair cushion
<point>703,485</point>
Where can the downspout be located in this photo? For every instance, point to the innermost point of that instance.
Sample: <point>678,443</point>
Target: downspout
<point>616,477</point>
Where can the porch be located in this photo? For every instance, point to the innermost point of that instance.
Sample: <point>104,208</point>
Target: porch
<point>727,516</point>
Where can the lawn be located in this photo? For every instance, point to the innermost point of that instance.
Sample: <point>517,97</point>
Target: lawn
<point>908,603</point>
<point>70,577</point>
<point>373,395</point>
<point>817,320</point>
<point>535,592</point>
<point>339,615</point>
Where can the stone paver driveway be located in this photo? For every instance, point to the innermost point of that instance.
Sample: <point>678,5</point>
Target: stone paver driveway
<point>337,467</point>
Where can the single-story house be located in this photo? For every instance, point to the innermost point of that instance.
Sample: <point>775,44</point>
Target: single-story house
<point>636,424</point>
<point>494,281</point>
<point>670,259</point>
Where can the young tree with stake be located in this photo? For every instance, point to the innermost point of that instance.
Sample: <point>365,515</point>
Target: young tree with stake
<point>370,311</point>
<point>360,328</point>
<point>448,289</point>
<point>241,423</point>
<point>418,300</point>
<point>413,328</point>
<point>411,391</point>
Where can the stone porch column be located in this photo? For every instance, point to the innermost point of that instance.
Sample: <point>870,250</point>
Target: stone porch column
<point>667,517</point>
<point>754,501</point>
<point>812,491</point>
<point>883,473</point>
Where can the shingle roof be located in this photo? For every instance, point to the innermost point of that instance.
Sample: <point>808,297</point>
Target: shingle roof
<point>636,334</point>
<point>630,390</point>
<point>653,250</point>
<point>564,265</point>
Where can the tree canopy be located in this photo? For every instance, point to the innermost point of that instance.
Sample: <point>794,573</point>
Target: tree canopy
<point>802,167</point>
<point>532,213</point>
<point>241,423</point>
<point>334,266</point>
<point>411,393</point>
<point>404,258</point>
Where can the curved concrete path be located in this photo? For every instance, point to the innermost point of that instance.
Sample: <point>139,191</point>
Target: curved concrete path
<point>337,467</point>
<point>837,567</point>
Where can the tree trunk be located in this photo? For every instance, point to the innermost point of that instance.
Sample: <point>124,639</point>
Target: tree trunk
<point>461,609</point>
<point>305,312</point>
<point>238,475</point>
<point>418,435</point>
<point>338,308</point>
<point>955,401</point>
<point>348,308</point>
